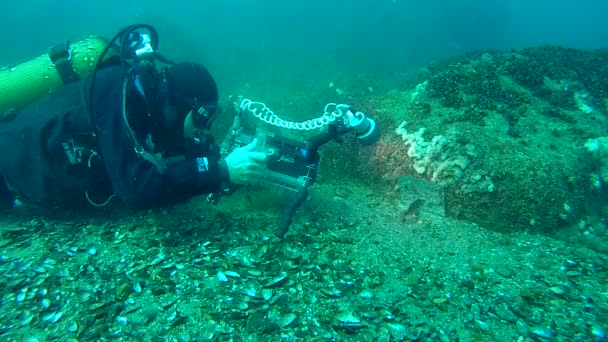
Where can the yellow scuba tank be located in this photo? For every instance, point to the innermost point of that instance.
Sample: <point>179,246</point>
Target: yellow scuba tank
<point>38,77</point>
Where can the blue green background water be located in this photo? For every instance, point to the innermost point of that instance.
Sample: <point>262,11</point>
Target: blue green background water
<point>446,278</point>
<point>239,36</point>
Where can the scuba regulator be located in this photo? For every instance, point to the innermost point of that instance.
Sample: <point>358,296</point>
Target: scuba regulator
<point>138,57</point>
<point>293,165</point>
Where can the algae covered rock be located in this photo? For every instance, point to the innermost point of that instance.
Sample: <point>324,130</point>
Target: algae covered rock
<point>505,131</point>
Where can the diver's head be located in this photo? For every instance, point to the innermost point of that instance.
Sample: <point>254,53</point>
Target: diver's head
<point>191,99</point>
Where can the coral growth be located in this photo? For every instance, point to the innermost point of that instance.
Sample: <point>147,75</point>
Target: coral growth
<point>437,159</point>
<point>505,134</point>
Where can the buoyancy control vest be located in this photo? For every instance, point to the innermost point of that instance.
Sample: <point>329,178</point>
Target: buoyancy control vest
<point>48,152</point>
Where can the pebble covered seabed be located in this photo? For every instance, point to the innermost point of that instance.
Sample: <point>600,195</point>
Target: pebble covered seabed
<point>351,269</point>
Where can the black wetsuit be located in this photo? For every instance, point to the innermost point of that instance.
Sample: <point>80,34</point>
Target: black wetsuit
<point>55,151</point>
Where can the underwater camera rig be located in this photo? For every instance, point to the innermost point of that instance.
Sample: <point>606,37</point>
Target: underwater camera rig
<point>293,165</point>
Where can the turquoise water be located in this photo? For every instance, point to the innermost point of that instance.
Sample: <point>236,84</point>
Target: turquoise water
<point>354,34</point>
<point>481,214</point>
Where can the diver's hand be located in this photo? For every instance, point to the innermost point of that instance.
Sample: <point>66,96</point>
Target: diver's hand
<point>244,164</point>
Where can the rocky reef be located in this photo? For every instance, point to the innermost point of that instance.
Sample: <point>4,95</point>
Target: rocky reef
<point>511,128</point>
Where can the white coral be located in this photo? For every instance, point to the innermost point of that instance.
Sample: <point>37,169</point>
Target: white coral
<point>443,160</point>
<point>437,158</point>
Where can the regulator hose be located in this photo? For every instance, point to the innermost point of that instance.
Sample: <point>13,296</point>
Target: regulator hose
<point>122,36</point>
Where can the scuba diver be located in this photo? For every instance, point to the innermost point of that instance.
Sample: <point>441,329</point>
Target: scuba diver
<point>128,130</point>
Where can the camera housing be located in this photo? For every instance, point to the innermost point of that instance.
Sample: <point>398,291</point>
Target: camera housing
<point>287,159</point>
